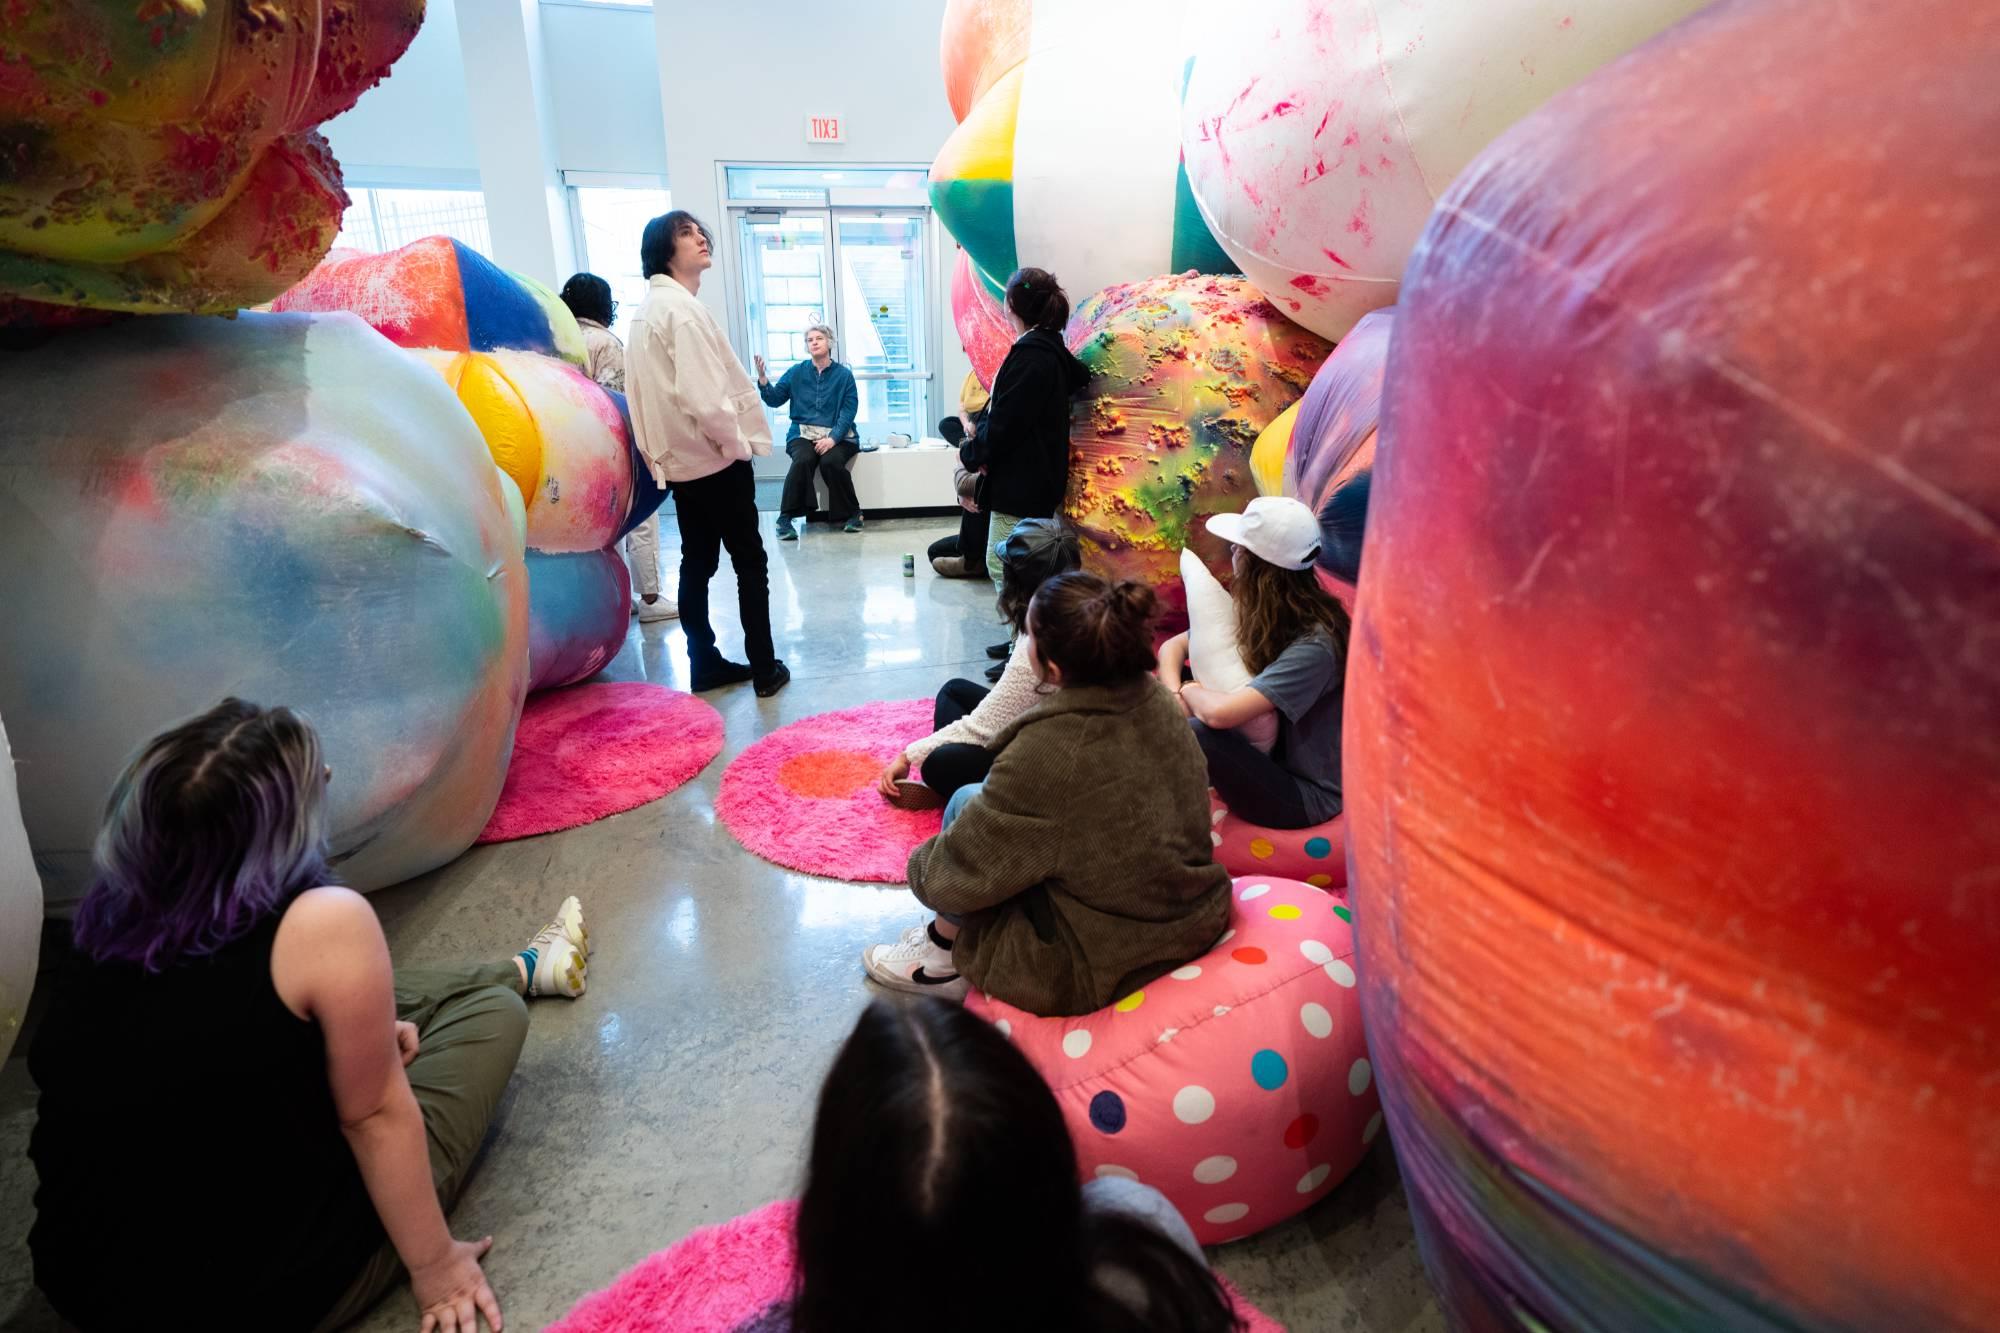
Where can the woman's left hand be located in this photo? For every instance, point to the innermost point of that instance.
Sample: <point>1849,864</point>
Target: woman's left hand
<point>406,1041</point>
<point>898,769</point>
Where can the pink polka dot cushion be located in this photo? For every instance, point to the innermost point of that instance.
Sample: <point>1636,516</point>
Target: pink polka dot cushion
<point>1239,1085</point>
<point>1316,855</point>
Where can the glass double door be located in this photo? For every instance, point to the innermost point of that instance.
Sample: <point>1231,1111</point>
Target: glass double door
<point>859,271</point>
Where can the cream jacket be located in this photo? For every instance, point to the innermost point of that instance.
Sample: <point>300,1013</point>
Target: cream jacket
<point>694,408</point>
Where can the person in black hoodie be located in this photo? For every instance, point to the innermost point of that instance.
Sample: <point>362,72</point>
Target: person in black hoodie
<point>1023,445</point>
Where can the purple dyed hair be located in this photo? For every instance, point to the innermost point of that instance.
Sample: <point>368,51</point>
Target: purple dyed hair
<point>215,825</point>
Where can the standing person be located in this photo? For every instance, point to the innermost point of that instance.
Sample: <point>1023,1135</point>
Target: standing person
<point>938,1150</point>
<point>589,299</point>
<point>1293,637</point>
<point>824,403</point>
<point>1083,867</point>
<point>962,556</point>
<point>245,1116</point>
<point>1023,446</point>
<point>696,414</point>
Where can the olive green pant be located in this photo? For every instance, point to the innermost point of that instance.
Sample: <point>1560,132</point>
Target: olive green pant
<point>471,1022</point>
<point>997,527</point>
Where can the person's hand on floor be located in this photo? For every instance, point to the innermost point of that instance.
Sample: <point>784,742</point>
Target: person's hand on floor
<point>406,1041</point>
<point>898,769</point>
<point>453,1292</point>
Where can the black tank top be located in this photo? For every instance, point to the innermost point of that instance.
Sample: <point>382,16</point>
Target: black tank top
<point>191,1162</point>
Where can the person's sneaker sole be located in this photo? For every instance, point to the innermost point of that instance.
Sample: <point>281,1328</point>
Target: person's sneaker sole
<point>916,796</point>
<point>944,988</point>
<point>651,613</point>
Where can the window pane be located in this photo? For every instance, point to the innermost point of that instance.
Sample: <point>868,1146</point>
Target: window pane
<point>382,219</point>
<point>613,222</point>
<point>889,406</point>
<point>882,292</point>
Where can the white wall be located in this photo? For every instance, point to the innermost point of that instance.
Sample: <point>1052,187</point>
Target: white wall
<point>413,127</point>
<point>737,82</point>
<point>604,89</point>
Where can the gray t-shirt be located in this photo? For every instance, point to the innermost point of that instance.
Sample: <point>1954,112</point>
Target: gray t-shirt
<point>1305,685</point>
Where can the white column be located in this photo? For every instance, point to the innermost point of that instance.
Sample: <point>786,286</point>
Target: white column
<point>513,131</point>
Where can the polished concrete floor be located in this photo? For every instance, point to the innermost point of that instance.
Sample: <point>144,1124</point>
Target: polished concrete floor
<point>679,1091</point>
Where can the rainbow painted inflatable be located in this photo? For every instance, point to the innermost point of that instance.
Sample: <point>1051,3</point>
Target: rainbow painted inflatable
<point>162,157</point>
<point>1673,719</point>
<point>1186,373</point>
<point>301,514</point>
<point>1058,161</point>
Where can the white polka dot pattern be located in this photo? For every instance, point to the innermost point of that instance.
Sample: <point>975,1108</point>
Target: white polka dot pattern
<point>1188,973</point>
<point>1121,1172</point>
<point>1317,1020</point>
<point>1255,891</point>
<point>1359,1076</point>
<point>1316,953</point>
<point>1314,1178</point>
<point>1195,1104</point>
<point>1342,974</point>
<point>1227,1213</point>
<point>1076,1044</point>
<point>1374,1128</point>
<point>1214,1170</point>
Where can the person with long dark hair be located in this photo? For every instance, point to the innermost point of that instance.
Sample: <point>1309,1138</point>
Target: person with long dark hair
<point>246,1119</point>
<point>1293,637</point>
<point>969,717</point>
<point>1082,867</point>
<point>700,420</point>
<point>939,1150</point>
<point>1023,445</point>
<point>589,299</point>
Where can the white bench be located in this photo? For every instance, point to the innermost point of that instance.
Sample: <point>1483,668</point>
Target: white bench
<point>916,476</point>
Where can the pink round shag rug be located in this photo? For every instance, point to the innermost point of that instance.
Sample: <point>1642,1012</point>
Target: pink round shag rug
<point>732,1278</point>
<point>590,751</point>
<point>804,796</point>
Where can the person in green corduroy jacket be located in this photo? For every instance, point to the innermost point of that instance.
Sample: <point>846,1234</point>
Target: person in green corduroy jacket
<point>1082,868</point>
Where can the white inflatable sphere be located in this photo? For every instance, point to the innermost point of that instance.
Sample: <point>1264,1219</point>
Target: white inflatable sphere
<point>1318,139</point>
<point>20,906</point>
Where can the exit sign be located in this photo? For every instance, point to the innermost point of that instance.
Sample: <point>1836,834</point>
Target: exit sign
<point>825,129</point>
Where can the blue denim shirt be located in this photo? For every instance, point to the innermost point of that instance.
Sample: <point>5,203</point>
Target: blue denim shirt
<point>818,398</point>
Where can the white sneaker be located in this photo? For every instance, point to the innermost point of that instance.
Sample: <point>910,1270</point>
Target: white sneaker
<point>561,953</point>
<point>914,964</point>
<point>664,609</point>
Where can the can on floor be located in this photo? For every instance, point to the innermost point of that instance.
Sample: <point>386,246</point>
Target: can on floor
<point>909,565</point>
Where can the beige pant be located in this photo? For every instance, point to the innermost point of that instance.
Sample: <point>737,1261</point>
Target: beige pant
<point>470,1025</point>
<point>642,553</point>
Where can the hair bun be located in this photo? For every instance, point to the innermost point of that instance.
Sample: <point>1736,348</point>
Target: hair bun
<point>1130,598</point>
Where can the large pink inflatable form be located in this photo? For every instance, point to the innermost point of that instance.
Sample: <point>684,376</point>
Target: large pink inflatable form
<point>1673,720</point>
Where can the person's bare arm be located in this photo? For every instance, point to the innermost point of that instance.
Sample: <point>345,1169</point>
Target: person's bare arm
<point>1173,656</point>
<point>1224,710</point>
<point>330,964</point>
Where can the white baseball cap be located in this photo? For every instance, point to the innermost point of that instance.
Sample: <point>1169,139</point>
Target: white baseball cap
<point>1275,528</point>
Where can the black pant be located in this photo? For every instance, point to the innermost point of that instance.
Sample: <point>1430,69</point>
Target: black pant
<point>1252,784</point>
<point>716,511</point>
<point>797,500</point>
<point>950,767</point>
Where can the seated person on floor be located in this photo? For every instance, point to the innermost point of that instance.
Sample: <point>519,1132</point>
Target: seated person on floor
<point>1082,867</point>
<point>969,716</point>
<point>1293,635</point>
<point>939,1151</point>
<point>962,555</point>
<point>822,439</point>
<point>246,1119</point>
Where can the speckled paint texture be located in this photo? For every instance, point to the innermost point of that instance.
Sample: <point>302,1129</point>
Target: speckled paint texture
<point>163,157</point>
<point>1318,137</point>
<point>302,515</point>
<point>1673,720</point>
<point>1186,372</point>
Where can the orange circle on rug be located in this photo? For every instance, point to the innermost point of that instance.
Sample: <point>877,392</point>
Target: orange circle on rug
<point>829,774</point>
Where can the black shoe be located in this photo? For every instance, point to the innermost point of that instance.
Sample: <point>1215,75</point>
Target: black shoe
<point>773,680</point>
<point>714,675</point>
<point>995,671</point>
<point>1000,652</point>
<point>786,532</point>
<point>853,524</point>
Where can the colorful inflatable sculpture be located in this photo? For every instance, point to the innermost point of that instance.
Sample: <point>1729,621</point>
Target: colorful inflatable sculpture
<point>163,157</point>
<point>1331,454</point>
<point>1064,158</point>
<point>1673,720</point>
<point>20,906</point>
<point>438,293</point>
<point>1318,136</point>
<point>982,324</point>
<point>1186,372</point>
<point>510,351</point>
<point>301,513</point>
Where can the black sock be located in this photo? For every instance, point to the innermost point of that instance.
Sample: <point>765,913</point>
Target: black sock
<point>938,939</point>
